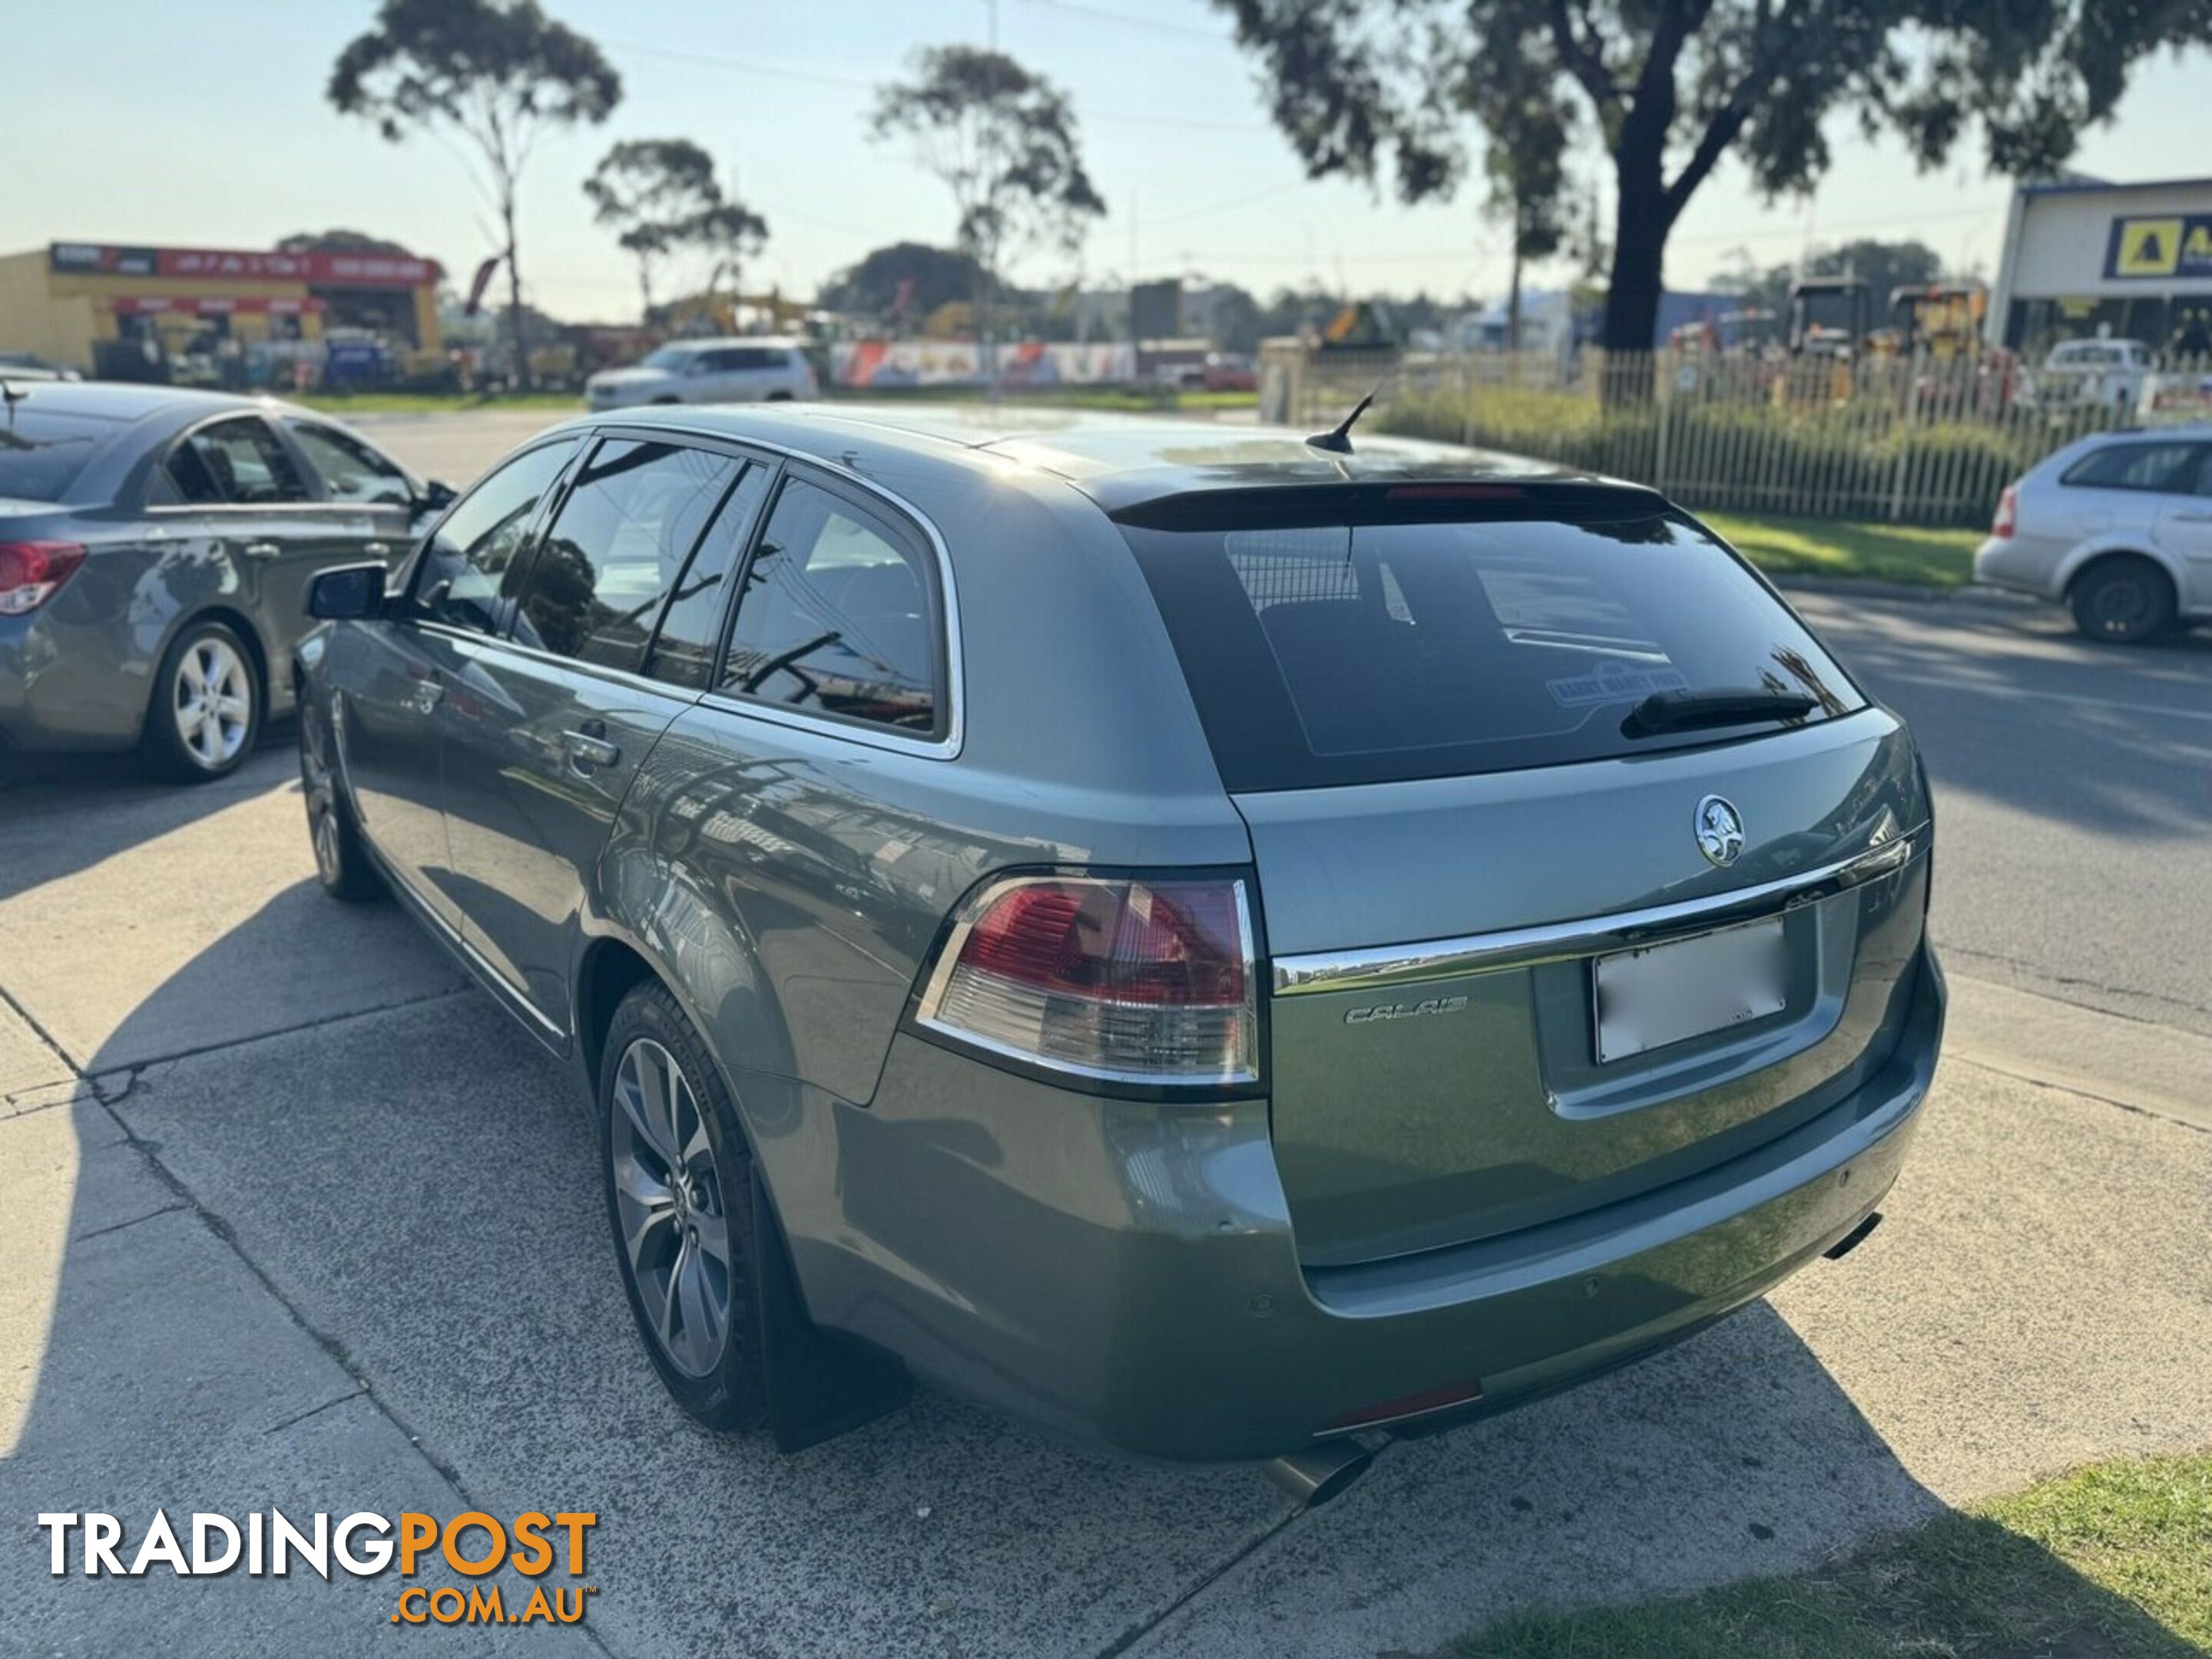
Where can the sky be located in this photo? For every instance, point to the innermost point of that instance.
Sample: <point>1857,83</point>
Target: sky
<point>205,125</point>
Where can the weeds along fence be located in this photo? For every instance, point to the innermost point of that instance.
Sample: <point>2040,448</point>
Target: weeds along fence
<point>1920,440</point>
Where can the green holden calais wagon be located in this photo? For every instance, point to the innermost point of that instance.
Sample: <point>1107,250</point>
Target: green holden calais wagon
<point>1217,941</point>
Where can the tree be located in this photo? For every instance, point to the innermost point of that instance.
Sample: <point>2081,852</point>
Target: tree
<point>1672,85</point>
<point>660,195</point>
<point>728,233</point>
<point>905,280</point>
<point>644,189</point>
<point>1004,141</point>
<point>1529,129</point>
<point>341,241</point>
<point>497,72</point>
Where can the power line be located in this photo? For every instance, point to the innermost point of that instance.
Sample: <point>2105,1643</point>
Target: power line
<point>1130,20</point>
<point>815,77</point>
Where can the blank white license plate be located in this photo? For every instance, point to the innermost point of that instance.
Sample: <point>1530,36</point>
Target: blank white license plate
<point>1670,993</point>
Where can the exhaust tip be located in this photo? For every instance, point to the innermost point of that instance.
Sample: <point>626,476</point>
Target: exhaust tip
<point>1318,1474</point>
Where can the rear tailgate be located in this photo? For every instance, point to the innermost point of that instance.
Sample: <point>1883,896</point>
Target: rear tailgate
<point>1447,1086</point>
<point>1464,840</point>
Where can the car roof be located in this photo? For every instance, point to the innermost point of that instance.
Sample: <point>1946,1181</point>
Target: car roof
<point>1120,461</point>
<point>127,400</point>
<point>717,342</point>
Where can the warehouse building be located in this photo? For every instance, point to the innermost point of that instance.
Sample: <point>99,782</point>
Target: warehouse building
<point>214,315</point>
<point>2084,258</point>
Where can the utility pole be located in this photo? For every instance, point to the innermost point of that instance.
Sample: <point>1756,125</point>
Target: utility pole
<point>986,318</point>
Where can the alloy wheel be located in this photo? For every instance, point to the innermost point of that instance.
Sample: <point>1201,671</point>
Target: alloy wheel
<point>669,1199</point>
<point>212,702</point>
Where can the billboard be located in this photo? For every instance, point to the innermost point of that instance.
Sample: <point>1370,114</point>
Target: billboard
<point>354,270</point>
<point>890,363</point>
<point>2169,245</point>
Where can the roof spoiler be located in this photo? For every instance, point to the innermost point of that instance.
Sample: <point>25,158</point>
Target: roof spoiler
<point>1420,500</point>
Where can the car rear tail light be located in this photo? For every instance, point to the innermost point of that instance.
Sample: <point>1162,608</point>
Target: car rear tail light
<point>31,571</point>
<point>2008,513</point>
<point>1124,980</point>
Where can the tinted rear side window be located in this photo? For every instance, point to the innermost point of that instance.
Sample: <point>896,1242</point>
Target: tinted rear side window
<point>838,616</point>
<point>2132,466</point>
<point>42,453</point>
<point>1376,653</point>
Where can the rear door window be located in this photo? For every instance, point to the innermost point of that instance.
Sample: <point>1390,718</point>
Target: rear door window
<point>237,463</point>
<point>839,616</point>
<point>691,625</point>
<point>1343,654</point>
<point>610,559</point>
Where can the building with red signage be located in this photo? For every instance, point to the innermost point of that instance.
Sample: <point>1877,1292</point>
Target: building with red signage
<point>132,312</point>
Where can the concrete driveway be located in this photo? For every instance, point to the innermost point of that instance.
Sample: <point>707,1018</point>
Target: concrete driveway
<point>293,1217</point>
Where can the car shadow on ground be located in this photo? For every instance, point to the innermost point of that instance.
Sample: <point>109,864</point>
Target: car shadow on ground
<point>97,805</point>
<point>2014,708</point>
<point>419,1188</point>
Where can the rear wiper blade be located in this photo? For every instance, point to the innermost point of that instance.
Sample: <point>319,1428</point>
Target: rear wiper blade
<point>1719,705</point>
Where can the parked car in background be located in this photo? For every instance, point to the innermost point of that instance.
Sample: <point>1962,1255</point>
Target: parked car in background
<point>1211,942</point>
<point>2117,526</point>
<point>2108,374</point>
<point>155,550</point>
<point>733,371</point>
<point>1222,371</point>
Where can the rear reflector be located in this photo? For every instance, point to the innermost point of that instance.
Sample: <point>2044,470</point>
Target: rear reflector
<point>1120,979</point>
<point>31,571</point>
<point>1413,1404</point>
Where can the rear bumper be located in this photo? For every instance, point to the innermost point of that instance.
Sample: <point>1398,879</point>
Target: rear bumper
<point>63,689</point>
<point>2023,564</point>
<point>1128,1273</point>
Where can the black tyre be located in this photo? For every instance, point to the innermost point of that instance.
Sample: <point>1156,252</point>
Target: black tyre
<point>680,1189</point>
<point>2121,600</point>
<point>342,862</point>
<point>204,715</point>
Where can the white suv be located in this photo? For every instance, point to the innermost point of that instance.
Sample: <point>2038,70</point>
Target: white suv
<point>2118,526</point>
<point>748,371</point>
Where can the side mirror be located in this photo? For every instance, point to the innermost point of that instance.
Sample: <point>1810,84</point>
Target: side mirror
<point>437,495</point>
<point>347,592</point>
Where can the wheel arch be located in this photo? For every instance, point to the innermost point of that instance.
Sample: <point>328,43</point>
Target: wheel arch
<point>2086,557</point>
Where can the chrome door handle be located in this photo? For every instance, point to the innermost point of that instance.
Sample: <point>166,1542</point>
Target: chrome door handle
<point>376,550</point>
<point>586,751</point>
<point>262,549</point>
<point>2192,518</point>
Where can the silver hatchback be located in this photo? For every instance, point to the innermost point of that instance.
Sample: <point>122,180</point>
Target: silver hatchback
<point>2117,526</point>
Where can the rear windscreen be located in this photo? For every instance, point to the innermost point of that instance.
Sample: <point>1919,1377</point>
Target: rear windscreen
<point>1375,653</point>
<point>42,453</point>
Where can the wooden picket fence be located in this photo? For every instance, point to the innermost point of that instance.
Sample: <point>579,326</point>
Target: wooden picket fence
<point>1911,439</point>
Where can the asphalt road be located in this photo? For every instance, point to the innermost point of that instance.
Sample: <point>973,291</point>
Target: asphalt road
<point>292,1217</point>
